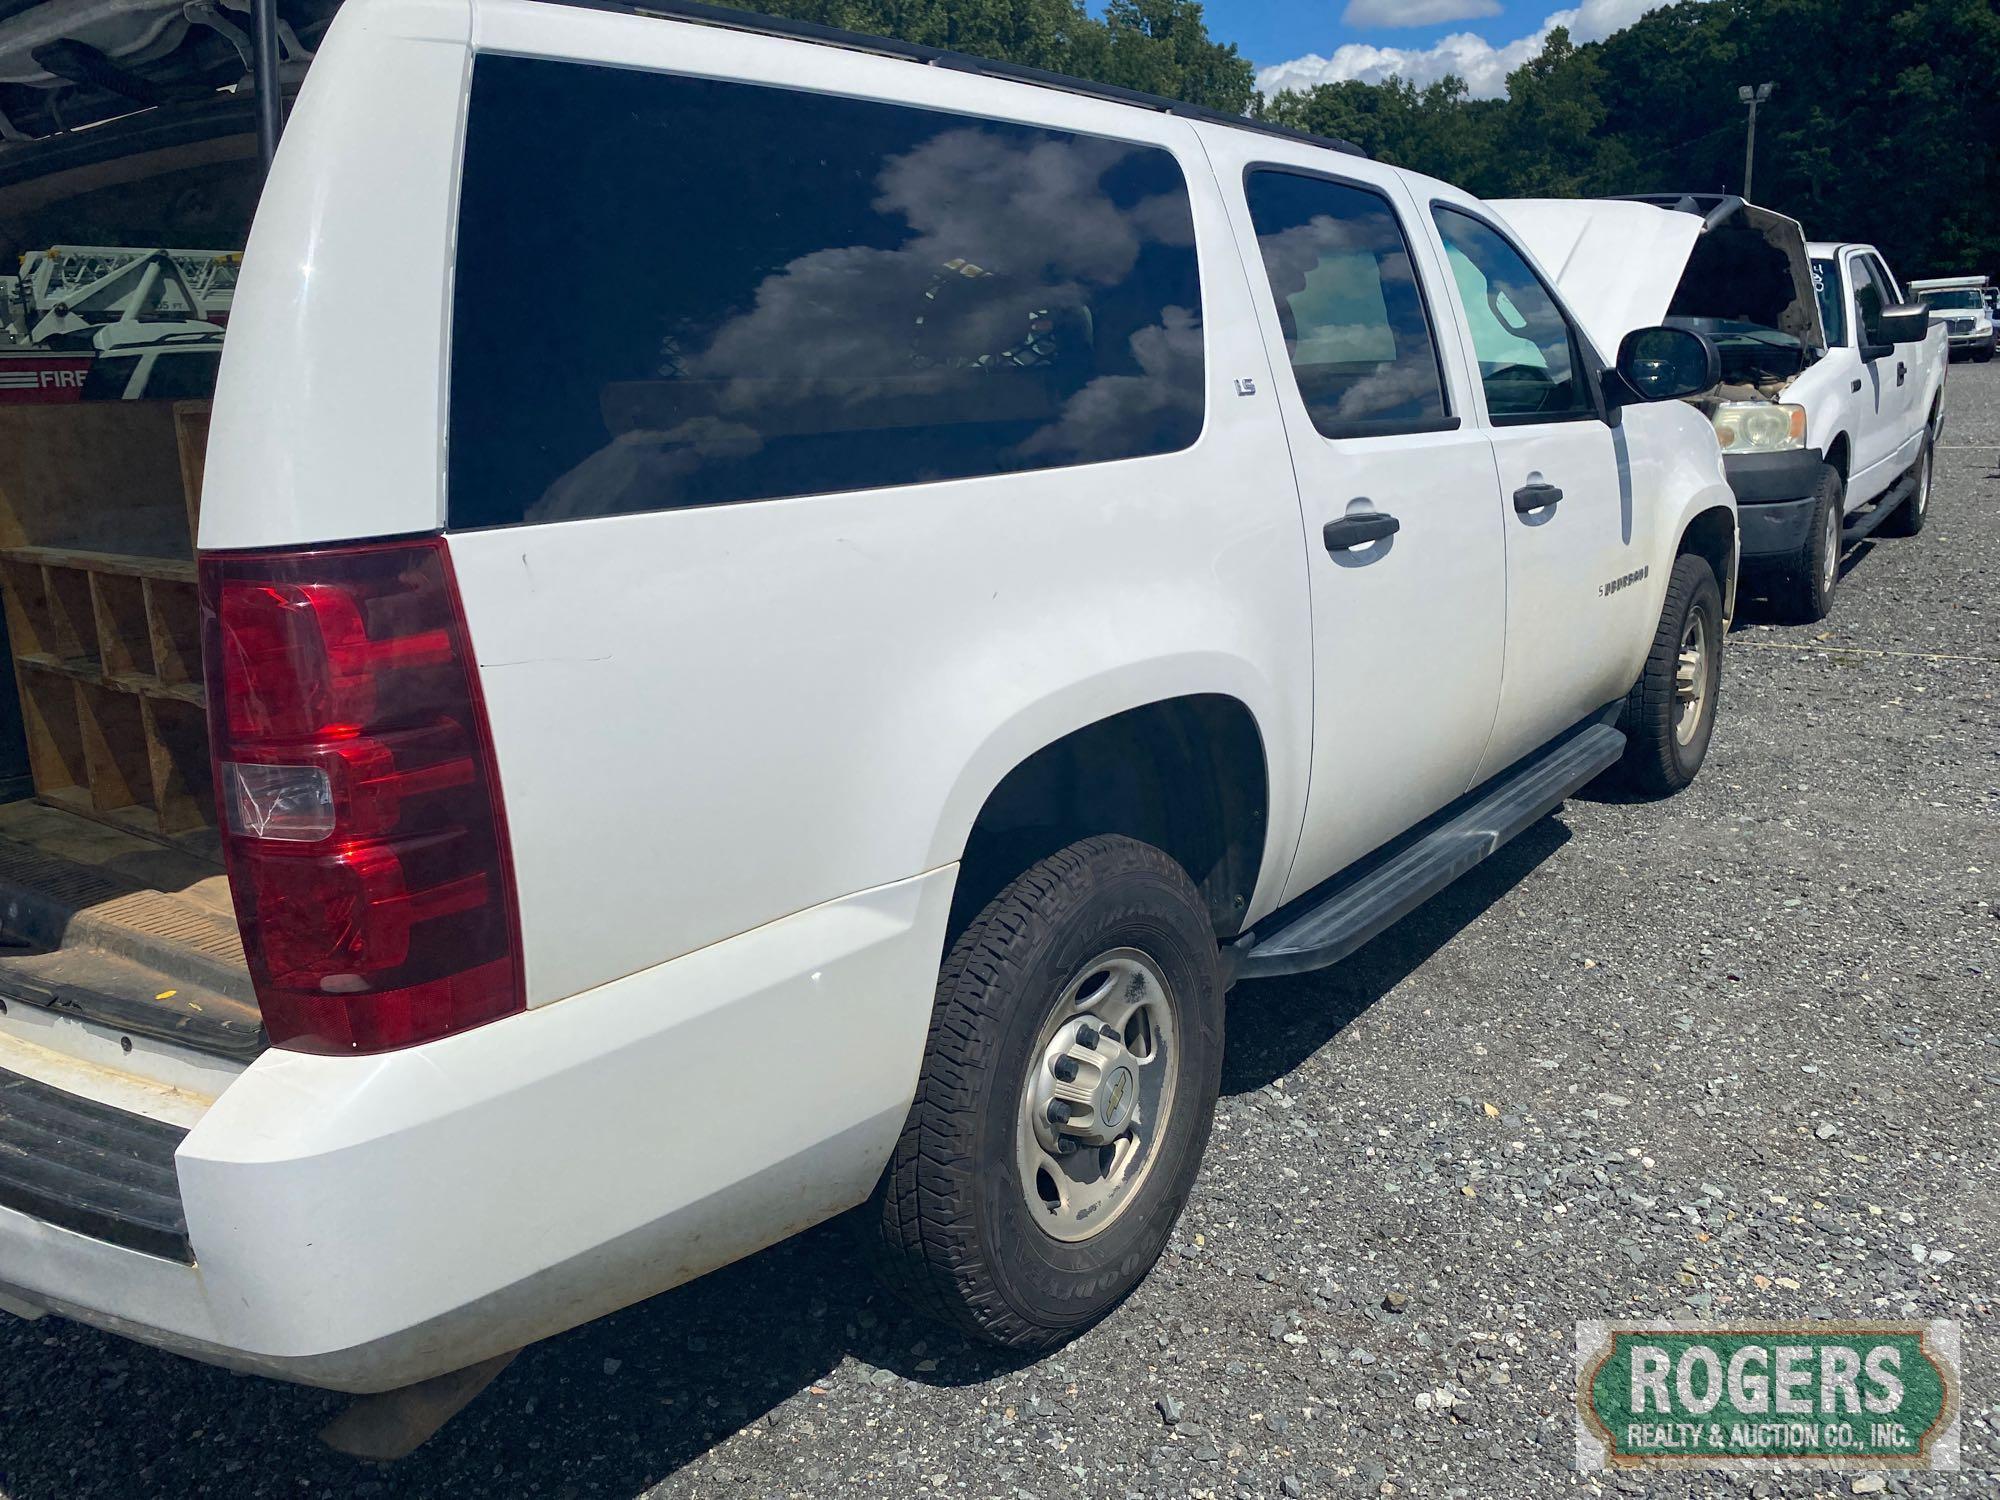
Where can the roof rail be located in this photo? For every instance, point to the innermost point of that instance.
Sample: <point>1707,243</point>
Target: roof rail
<point>731,18</point>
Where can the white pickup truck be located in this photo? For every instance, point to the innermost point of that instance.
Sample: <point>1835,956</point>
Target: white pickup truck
<point>825,724</point>
<point>1833,380</point>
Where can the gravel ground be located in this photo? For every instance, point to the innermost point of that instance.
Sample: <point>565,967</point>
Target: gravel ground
<point>1734,1055</point>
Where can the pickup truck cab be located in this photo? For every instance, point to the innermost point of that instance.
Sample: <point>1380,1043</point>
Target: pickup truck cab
<point>815,708</point>
<point>1965,305</point>
<point>1832,389</point>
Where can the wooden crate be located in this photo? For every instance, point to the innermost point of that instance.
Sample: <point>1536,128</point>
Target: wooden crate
<point>98,507</point>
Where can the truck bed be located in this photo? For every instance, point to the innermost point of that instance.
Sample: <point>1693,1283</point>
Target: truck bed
<point>109,927</point>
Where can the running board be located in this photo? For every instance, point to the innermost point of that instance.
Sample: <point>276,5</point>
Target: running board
<point>1358,911</point>
<point>1865,522</point>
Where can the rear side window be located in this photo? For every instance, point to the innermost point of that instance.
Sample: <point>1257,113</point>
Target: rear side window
<point>673,291</point>
<point>1348,299</point>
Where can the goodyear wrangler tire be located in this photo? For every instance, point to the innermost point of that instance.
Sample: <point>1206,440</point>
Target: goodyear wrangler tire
<point>1065,1098</point>
<point>1670,713</point>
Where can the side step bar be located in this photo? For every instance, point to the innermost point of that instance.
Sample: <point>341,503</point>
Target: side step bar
<point>1864,523</point>
<point>1363,908</point>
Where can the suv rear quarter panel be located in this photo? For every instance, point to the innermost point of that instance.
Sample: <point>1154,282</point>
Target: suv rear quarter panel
<point>711,717</point>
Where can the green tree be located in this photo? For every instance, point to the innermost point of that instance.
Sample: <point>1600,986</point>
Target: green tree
<point>1158,46</point>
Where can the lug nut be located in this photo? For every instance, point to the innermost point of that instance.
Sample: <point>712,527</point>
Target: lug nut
<point>1065,1069</point>
<point>1087,1034</point>
<point>1067,1145</point>
<point>1058,1111</point>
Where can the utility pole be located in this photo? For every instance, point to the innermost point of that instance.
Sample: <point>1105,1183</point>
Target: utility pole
<point>1752,97</point>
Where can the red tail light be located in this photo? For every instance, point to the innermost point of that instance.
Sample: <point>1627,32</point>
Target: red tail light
<point>360,810</point>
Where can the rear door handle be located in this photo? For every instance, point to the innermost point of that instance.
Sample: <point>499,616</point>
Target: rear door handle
<point>1530,498</point>
<point>1358,531</point>
<point>1902,372</point>
<point>1856,388</point>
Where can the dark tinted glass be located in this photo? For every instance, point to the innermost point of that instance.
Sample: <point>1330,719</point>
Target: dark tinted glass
<point>1528,358</point>
<point>673,291</point>
<point>1868,299</point>
<point>1348,298</point>
<point>1832,311</point>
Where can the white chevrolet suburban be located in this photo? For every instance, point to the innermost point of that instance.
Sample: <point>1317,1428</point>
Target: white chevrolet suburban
<point>781,617</point>
<point>1832,389</point>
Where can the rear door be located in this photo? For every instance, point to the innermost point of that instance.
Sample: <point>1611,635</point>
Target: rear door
<point>1567,504</point>
<point>1407,626</point>
<point>1905,397</point>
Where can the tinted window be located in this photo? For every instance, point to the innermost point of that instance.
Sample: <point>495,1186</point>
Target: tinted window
<point>673,291</point>
<point>1891,288</point>
<point>1347,295</point>
<point>1832,310</point>
<point>1868,298</point>
<point>1529,360</point>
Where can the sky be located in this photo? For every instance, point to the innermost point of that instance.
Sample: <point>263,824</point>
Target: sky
<point>1297,43</point>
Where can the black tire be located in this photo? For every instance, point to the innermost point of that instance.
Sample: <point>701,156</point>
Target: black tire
<point>1984,356</point>
<point>949,1219</point>
<point>1804,584</point>
<point>1658,760</point>
<point>1910,516</point>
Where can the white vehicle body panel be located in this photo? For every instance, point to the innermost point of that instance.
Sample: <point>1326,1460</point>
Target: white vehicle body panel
<point>1878,408</point>
<point>1617,263</point>
<point>741,747</point>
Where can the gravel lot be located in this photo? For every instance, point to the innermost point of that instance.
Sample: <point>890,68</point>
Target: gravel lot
<point>1735,1055</point>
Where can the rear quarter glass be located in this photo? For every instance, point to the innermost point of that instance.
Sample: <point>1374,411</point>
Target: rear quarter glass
<point>655,306</point>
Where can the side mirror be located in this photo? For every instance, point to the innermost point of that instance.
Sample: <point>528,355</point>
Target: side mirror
<point>1903,323</point>
<point>1665,364</point>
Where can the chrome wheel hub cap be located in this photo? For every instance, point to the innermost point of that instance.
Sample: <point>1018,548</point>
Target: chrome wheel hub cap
<point>1832,566</point>
<point>1924,483</point>
<point>1691,680</point>
<point>1099,1089</point>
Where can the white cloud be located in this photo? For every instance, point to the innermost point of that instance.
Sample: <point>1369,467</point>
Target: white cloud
<point>1415,12</point>
<point>1483,66</point>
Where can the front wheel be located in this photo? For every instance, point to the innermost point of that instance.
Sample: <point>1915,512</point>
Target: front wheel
<point>1670,713</point>
<point>1803,589</point>
<point>1065,1099</point>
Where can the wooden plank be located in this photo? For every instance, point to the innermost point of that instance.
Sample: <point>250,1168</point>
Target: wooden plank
<point>72,615</point>
<point>191,434</point>
<point>124,640</point>
<point>55,735</point>
<point>97,475</point>
<point>177,748</point>
<point>114,752</point>
<point>128,564</point>
<point>173,615</point>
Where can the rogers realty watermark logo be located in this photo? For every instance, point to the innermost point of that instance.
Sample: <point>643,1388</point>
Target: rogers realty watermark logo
<point>1706,1395</point>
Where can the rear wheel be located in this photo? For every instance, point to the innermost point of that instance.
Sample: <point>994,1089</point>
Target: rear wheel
<point>1065,1099</point>
<point>1913,512</point>
<point>1670,713</point>
<point>1803,589</point>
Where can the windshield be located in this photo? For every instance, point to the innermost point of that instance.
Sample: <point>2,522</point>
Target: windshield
<point>1832,306</point>
<point>1967,298</point>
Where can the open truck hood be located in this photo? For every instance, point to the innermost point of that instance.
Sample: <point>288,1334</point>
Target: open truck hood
<point>1626,263</point>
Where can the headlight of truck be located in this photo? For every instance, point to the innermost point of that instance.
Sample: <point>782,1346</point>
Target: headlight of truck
<point>1760,426</point>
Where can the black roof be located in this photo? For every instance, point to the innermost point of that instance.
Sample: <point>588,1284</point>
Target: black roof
<point>938,57</point>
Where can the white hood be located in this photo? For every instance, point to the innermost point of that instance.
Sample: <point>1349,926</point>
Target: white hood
<point>1617,264</point>
<point>1623,264</point>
